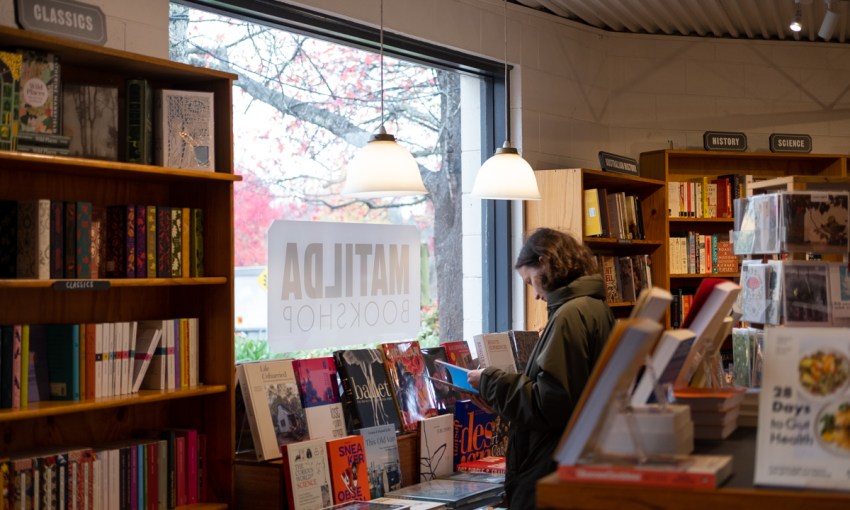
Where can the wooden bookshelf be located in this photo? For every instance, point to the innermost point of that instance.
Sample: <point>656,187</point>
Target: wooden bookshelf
<point>208,408</point>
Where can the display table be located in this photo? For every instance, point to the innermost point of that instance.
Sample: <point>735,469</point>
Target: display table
<point>737,493</point>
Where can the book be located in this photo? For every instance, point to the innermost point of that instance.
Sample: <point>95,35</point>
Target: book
<point>83,262</point>
<point>151,241</point>
<point>805,287</point>
<point>592,216</point>
<point>184,129</point>
<point>90,119</point>
<point>40,109</point>
<point>457,378</point>
<point>38,381</point>
<point>177,242</point>
<point>347,469</point>
<point>452,493</point>
<point>666,361</point>
<point>458,353</point>
<point>709,399</point>
<point>382,459</point>
<point>272,404</point>
<point>138,141</point>
<point>8,233</point>
<point>666,429</point>
<point>652,303</point>
<point>616,369</point>
<point>802,437</point>
<point>140,235</point>
<point>370,505</point>
<point>477,476</point>
<point>33,238</point>
<point>63,361</point>
<point>411,504</point>
<point>367,397</point>
<point>839,293</point>
<point>196,244</point>
<point>148,334</point>
<point>489,464</point>
<point>815,221</point>
<point>10,80</point>
<point>690,471</point>
<point>305,475</point>
<point>472,432</point>
<point>522,345</point>
<point>406,372</point>
<point>435,447</point>
<point>327,421</point>
<point>317,381</point>
<point>494,350</point>
<point>444,396</point>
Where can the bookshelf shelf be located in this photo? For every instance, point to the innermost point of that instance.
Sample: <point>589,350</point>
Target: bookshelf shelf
<point>208,408</point>
<point>702,220</point>
<point>705,275</point>
<point>609,242</point>
<point>57,407</point>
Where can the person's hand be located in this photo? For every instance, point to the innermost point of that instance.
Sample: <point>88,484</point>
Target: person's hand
<point>475,378</point>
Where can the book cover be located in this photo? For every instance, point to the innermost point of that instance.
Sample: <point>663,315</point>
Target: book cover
<point>40,110</point>
<point>444,396</point>
<point>305,475</point>
<point>458,353</point>
<point>163,242</point>
<point>367,396</point>
<point>494,464</point>
<point>494,350</point>
<point>522,345</point>
<point>454,377</point>
<point>453,493</point>
<point>63,361</point>
<point>668,356</point>
<point>317,380</point>
<point>150,242</point>
<point>436,440</point>
<point>184,129</point>
<point>84,240</point>
<point>140,234</point>
<point>802,436</point>
<point>382,459</point>
<point>652,303</point>
<point>347,469</point>
<point>8,237</point>
<point>806,290</point>
<point>138,142</point>
<point>839,293</point>
<point>10,80</point>
<point>688,471</point>
<point>327,421</point>
<point>176,242</point>
<point>90,118</point>
<point>815,221</point>
<point>472,432</point>
<point>621,358</point>
<point>272,404</point>
<point>592,216</point>
<point>406,372</point>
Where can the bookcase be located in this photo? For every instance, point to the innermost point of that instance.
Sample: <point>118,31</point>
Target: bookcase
<point>685,165</point>
<point>208,407</point>
<point>562,207</point>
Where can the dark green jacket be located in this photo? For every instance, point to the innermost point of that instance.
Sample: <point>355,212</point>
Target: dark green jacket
<point>538,402</point>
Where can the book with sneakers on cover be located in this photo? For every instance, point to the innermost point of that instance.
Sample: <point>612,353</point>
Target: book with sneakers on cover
<point>319,390</point>
<point>685,471</point>
<point>367,397</point>
<point>272,405</point>
<point>803,437</point>
<point>406,372</point>
<point>184,128</point>
<point>382,458</point>
<point>347,469</point>
<point>611,378</point>
<point>436,436</point>
<point>494,350</point>
<point>305,475</point>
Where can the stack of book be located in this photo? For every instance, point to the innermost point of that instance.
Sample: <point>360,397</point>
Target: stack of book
<point>44,143</point>
<point>662,430</point>
<point>713,411</point>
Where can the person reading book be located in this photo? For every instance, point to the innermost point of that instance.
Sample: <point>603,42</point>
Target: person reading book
<point>539,401</point>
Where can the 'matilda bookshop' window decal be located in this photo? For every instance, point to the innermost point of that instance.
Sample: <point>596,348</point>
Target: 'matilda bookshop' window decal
<point>333,284</point>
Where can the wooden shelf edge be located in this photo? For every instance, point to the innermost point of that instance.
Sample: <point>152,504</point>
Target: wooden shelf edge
<point>706,275</point>
<point>621,304</point>
<point>611,241</point>
<point>119,282</point>
<point>60,407</point>
<point>688,219</point>
<point>743,155</point>
<point>203,506</point>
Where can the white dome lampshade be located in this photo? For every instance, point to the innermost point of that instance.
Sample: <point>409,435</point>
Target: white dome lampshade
<point>383,168</point>
<point>506,176</point>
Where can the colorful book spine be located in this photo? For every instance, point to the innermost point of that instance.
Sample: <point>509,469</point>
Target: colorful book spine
<point>84,210</point>
<point>98,241</point>
<point>176,242</point>
<point>197,243</point>
<point>186,242</point>
<point>16,366</point>
<point>141,236</point>
<point>25,363</point>
<point>70,239</point>
<point>6,357</point>
<point>163,242</point>
<point>130,241</point>
<point>57,239</point>
<point>10,80</point>
<point>150,242</point>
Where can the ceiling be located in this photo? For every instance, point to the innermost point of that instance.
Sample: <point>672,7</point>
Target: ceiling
<point>735,19</point>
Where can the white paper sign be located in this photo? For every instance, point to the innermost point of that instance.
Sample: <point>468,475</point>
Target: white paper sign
<point>336,284</point>
<point>804,409</point>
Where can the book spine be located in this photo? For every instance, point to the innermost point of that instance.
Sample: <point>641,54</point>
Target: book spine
<point>617,475</point>
<point>141,236</point>
<point>83,244</point>
<point>57,240</point>
<point>17,340</point>
<point>70,239</point>
<point>163,242</point>
<point>139,123</point>
<point>27,259</point>
<point>150,242</point>
<point>176,242</point>
<point>129,241</point>
<point>8,237</point>
<point>90,360</point>
<point>115,244</point>
<point>192,466</point>
<point>197,243</point>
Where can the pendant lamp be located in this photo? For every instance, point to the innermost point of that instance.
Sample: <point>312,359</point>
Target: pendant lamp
<point>383,168</point>
<point>506,176</point>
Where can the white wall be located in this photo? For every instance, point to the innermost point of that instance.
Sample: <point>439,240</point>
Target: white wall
<point>140,26</point>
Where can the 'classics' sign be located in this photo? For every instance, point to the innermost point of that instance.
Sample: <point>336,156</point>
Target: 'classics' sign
<point>334,284</point>
<point>63,18</point>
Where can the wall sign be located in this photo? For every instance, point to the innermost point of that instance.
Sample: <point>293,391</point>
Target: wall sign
<point>724,141</point>
<point>63,18</point>
<point>618,164</point>
<point>335,284</point>
<point>780,142</point>
<point>81,285</point>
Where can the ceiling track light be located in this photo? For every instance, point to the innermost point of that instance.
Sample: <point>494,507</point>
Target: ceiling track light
<point>383,168</point>
<point>506,175</point>
<point>796,24</point>
<point>830,21</point>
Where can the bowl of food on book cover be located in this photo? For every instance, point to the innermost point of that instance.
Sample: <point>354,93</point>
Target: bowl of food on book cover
<point>832,427</point>
<point>823,373</point>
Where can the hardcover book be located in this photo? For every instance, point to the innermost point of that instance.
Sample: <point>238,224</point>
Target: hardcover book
<point>522,345</point>
<point>140,234</point>
<point>63,361</point>
<point>33,233</point>
<point>489,464</point>
<point>348,471</point>
<point>815,221</point>
<point>382,459</point>
<point>10,79</point>
<point>435,447</point>
<point>70,241</point>
<point>317,381</point>
<point>39,384</point>
<point>84,240</point>
<point>196,241</point>
<point>806,291</point>
<point>367,396</point>
<point>138,143</point>
<point>184,129</point>
<point>40,92</point>
<point>472,434</point>
<point>8,237</point>
<point>177,242</point>
<point>272,404</point>
<point>452,493</point>
<point>90,118</point>
<point>305,474</point>
<point>406,372</point>
<point>150,242</point>
<point>686,471</point>
<point>457,353</point>
<point>327,421</point>
<point>163,242</point>
<point>444,396</point>
<point>668,356</point>
<point>802,435</point>
<point>57,239</point>
<point>494,350</point>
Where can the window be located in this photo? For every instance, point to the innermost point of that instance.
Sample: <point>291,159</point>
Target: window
<point>303,105</point>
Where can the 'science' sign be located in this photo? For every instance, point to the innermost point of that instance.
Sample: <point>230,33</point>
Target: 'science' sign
<point>333,284</point>
<point>790,143</point>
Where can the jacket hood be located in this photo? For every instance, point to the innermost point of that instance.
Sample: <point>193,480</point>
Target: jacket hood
<point>589,285</point>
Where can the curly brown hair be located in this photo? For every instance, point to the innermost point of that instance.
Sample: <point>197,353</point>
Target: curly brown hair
<point>560,256</point>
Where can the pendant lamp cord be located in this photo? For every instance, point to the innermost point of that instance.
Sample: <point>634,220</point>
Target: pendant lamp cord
<point>381,44</point>
<point>507,92</point>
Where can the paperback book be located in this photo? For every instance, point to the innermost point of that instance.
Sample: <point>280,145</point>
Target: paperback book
<point>367,397</point>
<point>689,471</point>
<point>471,440</point>
<point>40,93</point>
<point>382,459</point>
<point>443,395</point>
<point>494,350</point>
<point>435,447</point>
<point>306,476</point>
<point>406,372</point>
<point>348,471</point>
